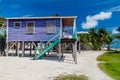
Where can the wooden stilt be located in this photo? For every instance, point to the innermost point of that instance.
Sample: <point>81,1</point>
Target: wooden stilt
<point>79,46</point>
<point>18,48</point>
<point>62,48</point>
<point>0,53</point>
<point>48,51</point>
<point>59,51</point>
<point>75,51</point>
<point>13,48</point>
<point>23,49</point>
<point>7,48</point>
<point>30,48</point>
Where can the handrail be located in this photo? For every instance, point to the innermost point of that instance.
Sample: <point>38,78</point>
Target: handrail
<point>40,46</point>
<point>75,34</point>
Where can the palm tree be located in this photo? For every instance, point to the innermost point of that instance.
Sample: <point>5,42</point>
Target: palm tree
<point>2,20</point>
<point>104,37</point>
<point>102,33</point>
<point>94,38</point>
<point>117,36</point>
<point>109,40</point>
<point>83,40</point>
<point>118,29</point>
<point>99,37</point>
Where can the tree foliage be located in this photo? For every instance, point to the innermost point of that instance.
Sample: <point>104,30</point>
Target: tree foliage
<point>2,20</point>
<point>97,38</point>
<point>100,37</point>
<point>118,29</point>
<point>117,36</point>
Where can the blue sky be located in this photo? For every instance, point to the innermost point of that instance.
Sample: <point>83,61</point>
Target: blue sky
<point>91,13</point>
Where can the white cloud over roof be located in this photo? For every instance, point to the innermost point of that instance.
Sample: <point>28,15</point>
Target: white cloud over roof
<point>92,21</point>
<point>114,31</point>
<point>82,32</point>
<point>115,9</point>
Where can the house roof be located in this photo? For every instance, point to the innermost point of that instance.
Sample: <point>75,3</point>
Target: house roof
<point>42,17</point>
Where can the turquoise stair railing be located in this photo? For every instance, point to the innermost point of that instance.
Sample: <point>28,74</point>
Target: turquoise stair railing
<point>43,48</point>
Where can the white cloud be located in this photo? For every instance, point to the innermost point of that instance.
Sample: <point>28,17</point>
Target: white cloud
<point>92,21</point>
<point>114,31</point>
<point>27,15</point>
<point>82,32</point>
<point>115,9</point>
<point>15,6</point>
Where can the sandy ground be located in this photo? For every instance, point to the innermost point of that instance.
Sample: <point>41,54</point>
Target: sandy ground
<point>24,68</point>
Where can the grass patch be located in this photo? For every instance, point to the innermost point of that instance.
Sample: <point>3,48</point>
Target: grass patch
<point>111,63</point>
<point>71,77</point>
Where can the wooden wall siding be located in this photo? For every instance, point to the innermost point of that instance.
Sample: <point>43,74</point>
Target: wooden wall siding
<point>39,34</point>
<point>68,21</point>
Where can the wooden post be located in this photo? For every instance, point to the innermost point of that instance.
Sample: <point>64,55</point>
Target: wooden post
<point>79,46</point>
<point>7,48</point>
<point>48,51</point>
<point>62,49</point>
<point>23,49</point>
<point>30,48</point>
<point>0,53</point>
<point>13,48</point>
<point>18,48</point>
<point>59,51</point>
<point>75,51</point>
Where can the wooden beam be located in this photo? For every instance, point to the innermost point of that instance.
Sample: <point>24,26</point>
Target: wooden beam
<point>18,48</point>
<point>23,49</point>
<point>30,48</point>
<point>13,48</point>
<point>59,51</point>
<point>0,53</point>
<point>7,48</point>
<point>79,46</point>
<point>75,51</point>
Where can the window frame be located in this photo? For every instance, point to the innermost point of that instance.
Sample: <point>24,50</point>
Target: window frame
<point>17,26</point>
<point>47,23</point>
<point>27,27</point>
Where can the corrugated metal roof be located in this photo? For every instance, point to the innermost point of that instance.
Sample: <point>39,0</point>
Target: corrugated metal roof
<point>42,17</point>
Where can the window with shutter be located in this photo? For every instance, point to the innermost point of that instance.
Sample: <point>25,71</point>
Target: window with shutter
<point>30,27</point>
<point>17,24</point>
<point>51,27</point>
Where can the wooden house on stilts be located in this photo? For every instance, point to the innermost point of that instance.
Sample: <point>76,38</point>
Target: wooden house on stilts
<point>41,34</point>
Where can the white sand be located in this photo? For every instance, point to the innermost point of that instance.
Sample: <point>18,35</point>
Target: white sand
<point>18,68</point>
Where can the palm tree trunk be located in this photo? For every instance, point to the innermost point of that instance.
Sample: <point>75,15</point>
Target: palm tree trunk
<point>108,47</point>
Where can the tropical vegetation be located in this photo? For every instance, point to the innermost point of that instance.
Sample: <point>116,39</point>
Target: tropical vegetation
<point>2,27</point>
<point>96,38</point>
<point>118,29</point>
<point>110,63</point>
<point>2,22</point>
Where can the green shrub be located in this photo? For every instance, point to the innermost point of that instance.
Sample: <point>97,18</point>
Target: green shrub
<point>71,77</point>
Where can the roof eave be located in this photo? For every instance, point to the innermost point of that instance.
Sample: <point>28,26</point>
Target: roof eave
<point>42,17</point>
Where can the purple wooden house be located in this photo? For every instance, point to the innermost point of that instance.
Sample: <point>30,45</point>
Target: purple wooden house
<point>39,29</point>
